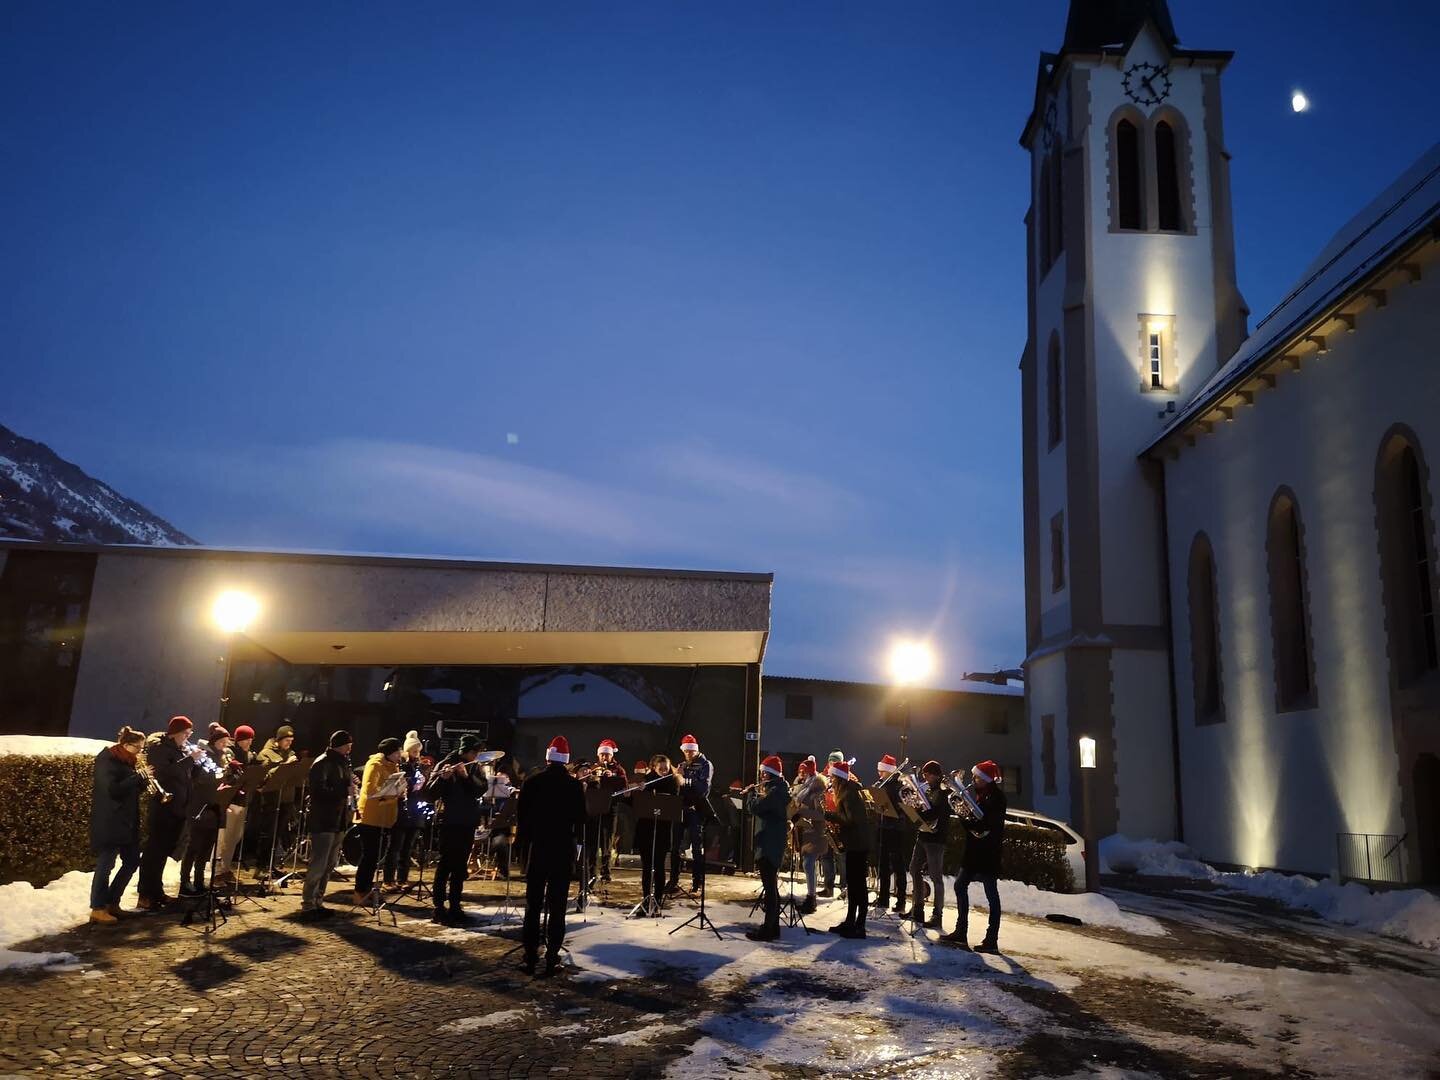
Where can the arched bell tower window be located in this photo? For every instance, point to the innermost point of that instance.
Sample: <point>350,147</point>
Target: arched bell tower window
<point>1129,190</point>
<point>1289,608</point>
<point>1407,556</point>
<point>1167,178</point>
<point>1204,633</point>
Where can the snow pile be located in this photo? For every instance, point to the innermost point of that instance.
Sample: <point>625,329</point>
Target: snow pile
<point>1156,858</point>
<point>50,745</point>
<point>27,912</point>
<point>1093,909</point>
<point>1409,914</point>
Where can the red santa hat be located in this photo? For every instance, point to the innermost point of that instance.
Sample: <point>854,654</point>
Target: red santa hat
<point>642,765</point>
<point>987,771</point>
<point>773,765</point>
<point>178,723</point>
<point>558,750</point>
<point>689,742</point>
<point>607,746</point>
<point>806,767</point>
<point>840,769</point>
<point>886,764</point>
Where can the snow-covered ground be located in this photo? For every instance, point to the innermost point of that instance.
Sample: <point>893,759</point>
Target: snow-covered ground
<point>27,912</point>
<point>1409,914</point>
<point>48,745</point>
<point>897,1000</point>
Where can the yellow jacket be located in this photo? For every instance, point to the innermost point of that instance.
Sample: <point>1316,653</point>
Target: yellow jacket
<point>374,810</point>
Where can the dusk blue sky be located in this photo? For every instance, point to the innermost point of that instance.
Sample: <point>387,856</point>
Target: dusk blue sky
<point>746,280</point>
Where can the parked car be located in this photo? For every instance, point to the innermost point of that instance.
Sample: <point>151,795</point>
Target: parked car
<point>1074,842</point>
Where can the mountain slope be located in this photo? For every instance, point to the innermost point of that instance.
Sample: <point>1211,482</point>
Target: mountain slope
<point>44,497</point>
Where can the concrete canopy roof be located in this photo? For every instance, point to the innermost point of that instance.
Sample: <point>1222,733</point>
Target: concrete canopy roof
<point>439,648</point>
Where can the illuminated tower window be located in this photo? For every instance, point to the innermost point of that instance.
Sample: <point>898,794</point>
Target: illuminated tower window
<point>1157,360</point>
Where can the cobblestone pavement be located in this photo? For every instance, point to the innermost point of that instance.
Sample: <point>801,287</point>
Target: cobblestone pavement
<point>356,996</point>
<point>350,996</point>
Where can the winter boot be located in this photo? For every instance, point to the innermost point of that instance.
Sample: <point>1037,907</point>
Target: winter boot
<point>843,929</point>
<point>808,906</point>
<point>956,937</point>
<point>102,916</point>
<point>989,945</point>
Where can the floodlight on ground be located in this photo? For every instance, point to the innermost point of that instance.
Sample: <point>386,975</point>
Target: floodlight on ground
<point>234,611</point>
<point>1087,752</point>
<point>911,662</point>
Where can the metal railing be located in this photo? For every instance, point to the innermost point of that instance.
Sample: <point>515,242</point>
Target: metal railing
<point>1377,858</point>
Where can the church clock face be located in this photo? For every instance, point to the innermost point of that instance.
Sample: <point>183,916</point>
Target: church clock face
<point>1147,84</point>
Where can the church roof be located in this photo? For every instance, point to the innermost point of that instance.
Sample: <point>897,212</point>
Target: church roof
<point>1369,241</point>
<point>1094,24</point>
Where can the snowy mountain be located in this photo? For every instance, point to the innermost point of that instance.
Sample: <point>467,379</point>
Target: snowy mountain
<point>43,497</point>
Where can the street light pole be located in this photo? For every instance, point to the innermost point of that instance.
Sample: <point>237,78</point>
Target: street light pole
<point>1092,855</point>
<point>904,729</point>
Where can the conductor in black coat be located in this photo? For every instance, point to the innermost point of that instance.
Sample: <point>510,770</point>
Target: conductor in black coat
<point>551,809</point>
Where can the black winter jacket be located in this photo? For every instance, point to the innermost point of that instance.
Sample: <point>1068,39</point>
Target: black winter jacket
<point>552,807</point>
<point>174,769</point>
<point>460,794</point>
<point>982,853</point>
<point>939,813</point>
<point>115,803</point>
<point>851,816</point>
<point>329,786</point>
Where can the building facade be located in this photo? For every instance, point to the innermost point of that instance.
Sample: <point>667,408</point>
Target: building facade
<point>867,720</point>
<point>95,637</point>
<point>1214,559</point>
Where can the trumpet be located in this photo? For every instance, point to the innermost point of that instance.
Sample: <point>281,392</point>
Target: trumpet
<point>142,766</point>
<point>202,758</point>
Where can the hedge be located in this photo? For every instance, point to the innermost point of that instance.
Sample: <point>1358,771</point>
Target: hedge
<point>1032,855</point>
<point>44,816</point>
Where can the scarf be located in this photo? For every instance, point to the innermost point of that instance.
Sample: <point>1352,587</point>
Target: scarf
<point>127,756</point>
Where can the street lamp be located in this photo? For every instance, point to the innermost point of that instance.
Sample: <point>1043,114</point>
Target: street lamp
<point>910,663</point>
<point>232,613</point>
<point>1092,856</point>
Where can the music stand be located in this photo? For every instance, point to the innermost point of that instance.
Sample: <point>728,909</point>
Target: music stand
<point>700,919</point>
<point>597,802</point>
<point>884,802</point>
<point>656,806</point>
<point>503,820</point>
<point>248,783</point>
<point>218,798</point>
<point>285,777</point>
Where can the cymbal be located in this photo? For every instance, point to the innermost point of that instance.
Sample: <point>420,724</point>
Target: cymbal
<point>484,757</point>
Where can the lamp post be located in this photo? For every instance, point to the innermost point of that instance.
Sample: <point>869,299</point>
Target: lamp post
<point>910,662</point>
<point>1092,856</point>
<point>232,613</point>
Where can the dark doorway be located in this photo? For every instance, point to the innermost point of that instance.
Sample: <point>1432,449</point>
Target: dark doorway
<point>44,600</point>
<point>1426,782</point>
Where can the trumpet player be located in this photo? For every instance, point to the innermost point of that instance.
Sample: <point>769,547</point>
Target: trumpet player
<point>769,801</point>
<point>981,861</point>
<point>174,766</point>
<point>890,861</point>
<point>115,822</point>
<point>929,852</point>
<point>609,776</point>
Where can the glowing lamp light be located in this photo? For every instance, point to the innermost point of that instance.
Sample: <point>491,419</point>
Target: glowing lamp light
<point>234,611</point>
<point>1299,102</point>
<point>911,662</point>
<point>1087,752</point>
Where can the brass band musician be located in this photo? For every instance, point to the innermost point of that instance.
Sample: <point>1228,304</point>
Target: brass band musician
<point>807,811</point>
<point>981,861</point>
<point>769,801</point>
<point>608,775</point>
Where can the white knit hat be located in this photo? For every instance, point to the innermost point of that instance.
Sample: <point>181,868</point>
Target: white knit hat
<point>412,741</point>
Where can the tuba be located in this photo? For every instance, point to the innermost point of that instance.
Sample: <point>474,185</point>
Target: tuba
<point>963,801</point>
<point>914,799</point>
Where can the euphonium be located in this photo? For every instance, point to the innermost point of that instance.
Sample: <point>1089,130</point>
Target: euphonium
<point>962,800</point>
<point>912,794</point>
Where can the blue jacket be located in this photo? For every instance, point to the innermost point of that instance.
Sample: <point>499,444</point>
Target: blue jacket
<point>698,776</point>
<point>115,803</point>
<point>413,811</point>
<point>772,819</point>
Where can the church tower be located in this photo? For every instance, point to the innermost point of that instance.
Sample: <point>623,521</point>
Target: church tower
<point>1132,305</point>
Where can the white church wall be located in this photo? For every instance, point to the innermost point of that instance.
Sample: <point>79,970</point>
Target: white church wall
<point>1145,784</point>
<point>1045,696</point>
<point>1263,789</point>
<point>1054,606</point>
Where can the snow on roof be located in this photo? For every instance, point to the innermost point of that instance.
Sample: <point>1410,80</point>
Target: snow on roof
<point>1401,212</point>
<point>963,688</point>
